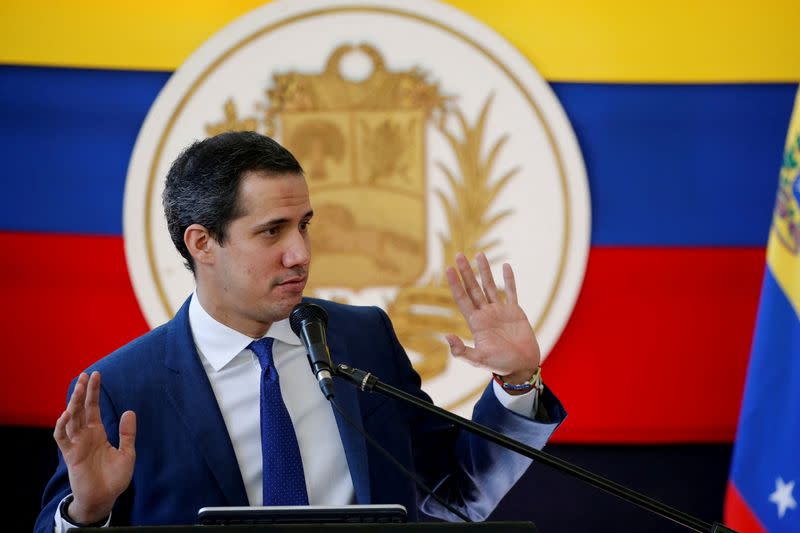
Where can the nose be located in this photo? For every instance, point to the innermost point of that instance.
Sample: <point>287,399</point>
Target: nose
<point>298,250</point>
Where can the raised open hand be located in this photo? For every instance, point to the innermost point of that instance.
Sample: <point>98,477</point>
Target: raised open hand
<point>98,472</point>
<point>504,339</point>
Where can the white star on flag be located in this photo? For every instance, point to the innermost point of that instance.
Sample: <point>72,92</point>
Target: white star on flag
<point>782,497</point>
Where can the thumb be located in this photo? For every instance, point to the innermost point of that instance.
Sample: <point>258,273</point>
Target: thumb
<point>462,351</point>
<point>127,433</point>
<point>457,346</point>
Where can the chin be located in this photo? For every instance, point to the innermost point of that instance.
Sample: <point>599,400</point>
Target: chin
<point>284,309</point>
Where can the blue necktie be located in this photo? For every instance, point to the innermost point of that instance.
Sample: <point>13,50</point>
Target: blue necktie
<point>284,481</point>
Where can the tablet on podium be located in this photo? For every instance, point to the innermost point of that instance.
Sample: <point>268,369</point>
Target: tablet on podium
<point>303,514</point>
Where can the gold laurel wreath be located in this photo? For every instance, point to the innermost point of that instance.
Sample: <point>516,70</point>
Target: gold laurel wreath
<point>422,314</point>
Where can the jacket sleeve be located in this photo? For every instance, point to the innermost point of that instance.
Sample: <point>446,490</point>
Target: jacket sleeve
<point>468,472</point>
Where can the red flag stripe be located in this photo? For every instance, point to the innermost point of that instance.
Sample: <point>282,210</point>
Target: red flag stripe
<point>738,515</point>
<point>655,351</point>
<point>69,301</point>
<point>657,346</point>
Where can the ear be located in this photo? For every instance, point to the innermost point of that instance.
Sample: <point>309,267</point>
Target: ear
<point>200,243</point>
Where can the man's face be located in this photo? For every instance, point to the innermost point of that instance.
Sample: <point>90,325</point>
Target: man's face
<point>259,273</point>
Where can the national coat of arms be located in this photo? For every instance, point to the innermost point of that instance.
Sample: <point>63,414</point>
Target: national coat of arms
<point>787,206</point>
<point>362,145</point>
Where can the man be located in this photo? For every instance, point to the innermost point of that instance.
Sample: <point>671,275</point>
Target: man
<point>221,400</point>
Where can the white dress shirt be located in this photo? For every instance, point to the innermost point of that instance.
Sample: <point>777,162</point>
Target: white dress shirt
<point>234,373</point>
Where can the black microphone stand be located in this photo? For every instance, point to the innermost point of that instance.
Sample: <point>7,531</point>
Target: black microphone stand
<point>368,382</point>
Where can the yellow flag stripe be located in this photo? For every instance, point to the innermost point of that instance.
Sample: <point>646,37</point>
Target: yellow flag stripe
<point>785,264</point>
<point>682,41</point>
<point>784,267</point>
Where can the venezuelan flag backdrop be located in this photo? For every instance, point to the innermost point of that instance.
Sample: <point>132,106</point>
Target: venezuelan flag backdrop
<point>680,109</point>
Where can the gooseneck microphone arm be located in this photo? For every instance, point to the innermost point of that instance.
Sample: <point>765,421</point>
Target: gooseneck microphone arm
<point>370,383</point>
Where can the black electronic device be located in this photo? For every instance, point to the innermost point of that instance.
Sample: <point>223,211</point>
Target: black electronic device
<point>303,514</point>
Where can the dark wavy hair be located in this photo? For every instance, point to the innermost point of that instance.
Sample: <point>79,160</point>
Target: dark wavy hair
<point>203,182</point>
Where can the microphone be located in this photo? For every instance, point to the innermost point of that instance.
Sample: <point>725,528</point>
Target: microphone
<point>310,322</point>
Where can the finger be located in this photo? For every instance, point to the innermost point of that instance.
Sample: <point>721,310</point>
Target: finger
<point>92,402</point>
<point>60,432</point>
<point>127,433</point>
<point>462,351</point>
<point>511,284</point>
<point>470,282</point>
<point>457,346</point>
<point>71,427</point>
<point>75,405</point>
<point>487,280</point>
<point>463,301</point>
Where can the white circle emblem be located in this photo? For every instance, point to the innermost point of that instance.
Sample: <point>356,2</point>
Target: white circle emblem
<point>422,131</point>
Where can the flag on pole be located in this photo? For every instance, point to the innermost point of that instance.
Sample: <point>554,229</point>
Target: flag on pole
<point>764,486</point>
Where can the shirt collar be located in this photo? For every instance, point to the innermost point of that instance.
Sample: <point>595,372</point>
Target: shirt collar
<point>219,344</point>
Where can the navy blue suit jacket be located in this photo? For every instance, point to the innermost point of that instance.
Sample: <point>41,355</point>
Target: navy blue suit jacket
<point>185,459</point>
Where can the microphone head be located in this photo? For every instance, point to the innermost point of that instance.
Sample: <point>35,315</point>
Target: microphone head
<point>306,312</point>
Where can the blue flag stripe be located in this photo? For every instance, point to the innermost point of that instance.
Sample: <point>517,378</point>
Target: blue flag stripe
<point>767,438</point>
<point>667,164</point>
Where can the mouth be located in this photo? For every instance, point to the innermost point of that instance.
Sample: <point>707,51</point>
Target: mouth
<point>294,282</point>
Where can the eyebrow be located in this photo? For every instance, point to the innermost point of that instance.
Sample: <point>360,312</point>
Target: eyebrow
<point>280,222</point>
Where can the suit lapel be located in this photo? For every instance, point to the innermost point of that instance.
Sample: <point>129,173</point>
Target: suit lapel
<point>355,447</point>
<point>190,393</point>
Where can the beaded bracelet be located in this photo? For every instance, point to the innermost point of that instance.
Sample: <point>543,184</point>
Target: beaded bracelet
<point>534,383</point>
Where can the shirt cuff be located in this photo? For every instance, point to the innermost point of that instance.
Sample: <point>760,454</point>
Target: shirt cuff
<point>62,524</point>
<point>522,404</point>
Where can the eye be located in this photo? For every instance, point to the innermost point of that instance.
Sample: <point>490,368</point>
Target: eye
<point>272,231</point>
<point>304,225</point>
